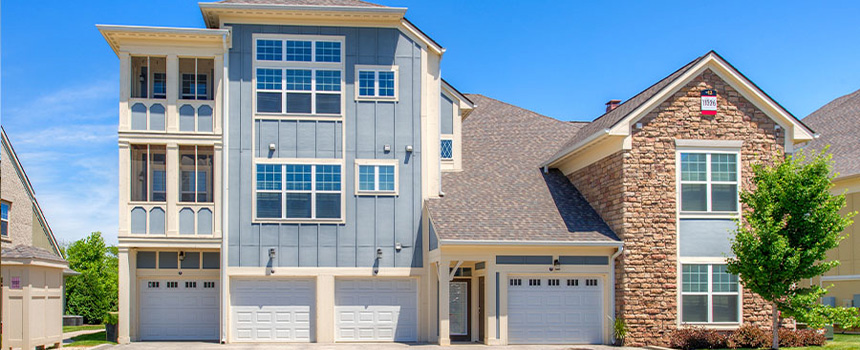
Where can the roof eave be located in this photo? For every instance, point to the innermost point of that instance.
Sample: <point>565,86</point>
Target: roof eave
<point>109,30</point>
<point>459,242</point>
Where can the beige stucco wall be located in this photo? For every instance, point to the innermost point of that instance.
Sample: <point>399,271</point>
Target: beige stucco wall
<point>20,208</point>
<point>843,281</point>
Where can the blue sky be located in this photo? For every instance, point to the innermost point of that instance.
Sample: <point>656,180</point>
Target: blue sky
<point>564,59</point>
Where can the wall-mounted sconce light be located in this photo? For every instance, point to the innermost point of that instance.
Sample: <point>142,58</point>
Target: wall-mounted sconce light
<point>272,146</point>
<point>409,148</point>
<point>378,253</point>
<point>556,265</point>
<point>272,257</point>
<point>386,148</point>
<point>398,247</point>
<point>181,255</point>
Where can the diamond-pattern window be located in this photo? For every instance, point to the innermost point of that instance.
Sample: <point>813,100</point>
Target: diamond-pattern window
<point>447,148</point>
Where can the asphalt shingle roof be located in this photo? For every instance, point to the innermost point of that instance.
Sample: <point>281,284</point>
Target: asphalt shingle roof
<point>609,119</point>
<point>350,3</point>
<point>838,124</point>
<point>29,252</point>
<point>502,194</point>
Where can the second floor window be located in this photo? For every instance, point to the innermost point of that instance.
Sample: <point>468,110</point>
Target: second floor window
<point>299,91</point>
<point>4,219</point>
<point>377,178</point>
<point>148,173</point>
<point>298,191</point>
<point>376,82</point>
<point>447,149</point>
<point>196,164</point>
<point>709,182</point>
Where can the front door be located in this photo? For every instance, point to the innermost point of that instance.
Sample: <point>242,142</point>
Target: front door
<point>458,308</point>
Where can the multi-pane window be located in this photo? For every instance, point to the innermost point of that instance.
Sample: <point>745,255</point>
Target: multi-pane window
<point>196,164</point>
<point>709,182</point>
<point>377,178</point>
<point>709,294</point>
<point>4,219</point>
<point>148,173</point>
<point>447,149</point>
<point>270,50</point>
<point>328,51</point>
<point>299,91</point>
<point>148,77</point>
<point>376,82</point>
<point>298,191</point>
<point>195,78</point>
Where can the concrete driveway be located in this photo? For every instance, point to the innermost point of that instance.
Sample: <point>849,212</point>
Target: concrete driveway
<point>351,346</point>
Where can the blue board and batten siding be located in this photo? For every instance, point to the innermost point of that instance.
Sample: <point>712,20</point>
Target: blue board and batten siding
<point>371,222</point>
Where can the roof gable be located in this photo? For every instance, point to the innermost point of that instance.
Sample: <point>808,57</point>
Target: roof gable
<point>618,121</point>
<point>22,177</point>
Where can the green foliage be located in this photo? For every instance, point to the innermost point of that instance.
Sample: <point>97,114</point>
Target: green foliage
<point>95,291</point>
<point>619,329</point>
<point>111,318</point>
<point>789,223</point>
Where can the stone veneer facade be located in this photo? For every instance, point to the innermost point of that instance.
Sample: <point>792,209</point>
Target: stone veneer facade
<point>634,191</point>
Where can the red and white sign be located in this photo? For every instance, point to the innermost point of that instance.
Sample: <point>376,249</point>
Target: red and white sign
<point>709,102</point>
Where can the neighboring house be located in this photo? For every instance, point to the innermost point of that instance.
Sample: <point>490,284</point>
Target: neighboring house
<point>32,264</point>
<point>837,122</point>
<point>299,171</point>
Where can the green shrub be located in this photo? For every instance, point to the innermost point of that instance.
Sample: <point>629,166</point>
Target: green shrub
<point>111,318</point>
<point>619,329</point>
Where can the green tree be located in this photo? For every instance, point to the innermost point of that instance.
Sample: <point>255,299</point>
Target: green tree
<point>93,293</point>
<point>790,221</point>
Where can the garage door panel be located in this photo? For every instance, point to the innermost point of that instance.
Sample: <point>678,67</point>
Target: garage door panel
<point>179,310</point>
<point>559,313</point>
<point>376,309</point>
<point>272,310</point>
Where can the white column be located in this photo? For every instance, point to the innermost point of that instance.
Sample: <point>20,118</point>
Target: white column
<point>172,209</point>
<point>124,187</point>
<point>444,303</point>
<point>325,309</point>
<point>490,313</point>
<point>124,90</point>
<point>172,117</point>
<point>123,329</point>
<point>216,191</point>
<point>218,85</point>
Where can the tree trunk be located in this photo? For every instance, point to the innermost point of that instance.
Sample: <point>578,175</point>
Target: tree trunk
<point>775,344</point>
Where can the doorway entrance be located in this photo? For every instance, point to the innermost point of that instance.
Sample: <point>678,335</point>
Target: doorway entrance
<point>459,306</point>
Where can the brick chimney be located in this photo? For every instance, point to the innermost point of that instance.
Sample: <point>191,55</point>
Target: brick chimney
<point>612,104</point>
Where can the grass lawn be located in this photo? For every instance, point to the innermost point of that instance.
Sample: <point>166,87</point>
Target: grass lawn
<point>86,327</point>
<point>839,342</point>
<point>89,340</point>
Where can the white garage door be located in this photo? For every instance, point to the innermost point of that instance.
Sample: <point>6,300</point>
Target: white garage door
<point>378,309</point>
<point>179,309</point>
<point>555,310</point>
<point>272,310</point>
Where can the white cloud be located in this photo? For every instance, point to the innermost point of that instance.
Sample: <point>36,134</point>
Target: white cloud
<point>66,140</point>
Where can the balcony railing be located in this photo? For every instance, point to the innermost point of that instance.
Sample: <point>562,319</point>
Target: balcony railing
<point>147,219</point>
<point>193,219</point>
<point>194,116</point>
<point>196,219</point>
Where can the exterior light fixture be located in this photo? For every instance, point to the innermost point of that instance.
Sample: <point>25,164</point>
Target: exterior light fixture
<point>271,253</point>
<point>272,146</point>
<point>378,253</point>
<point>181,255</point>
<point>409,148</point>
<point>398,247</point>
<point>386,148</point>
<point>556,265</point>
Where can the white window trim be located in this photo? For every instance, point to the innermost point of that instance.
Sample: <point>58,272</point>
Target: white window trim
<point>376,70</point>
<point>283,65</point>
<point>710,262</point>
<point>298,161</point>
<point>708,151</point>
<point>444,137</point>
<point>376,163</point>
<point>9,212</point>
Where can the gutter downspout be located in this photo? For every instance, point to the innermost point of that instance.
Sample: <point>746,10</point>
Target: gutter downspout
<point>612,280</point>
